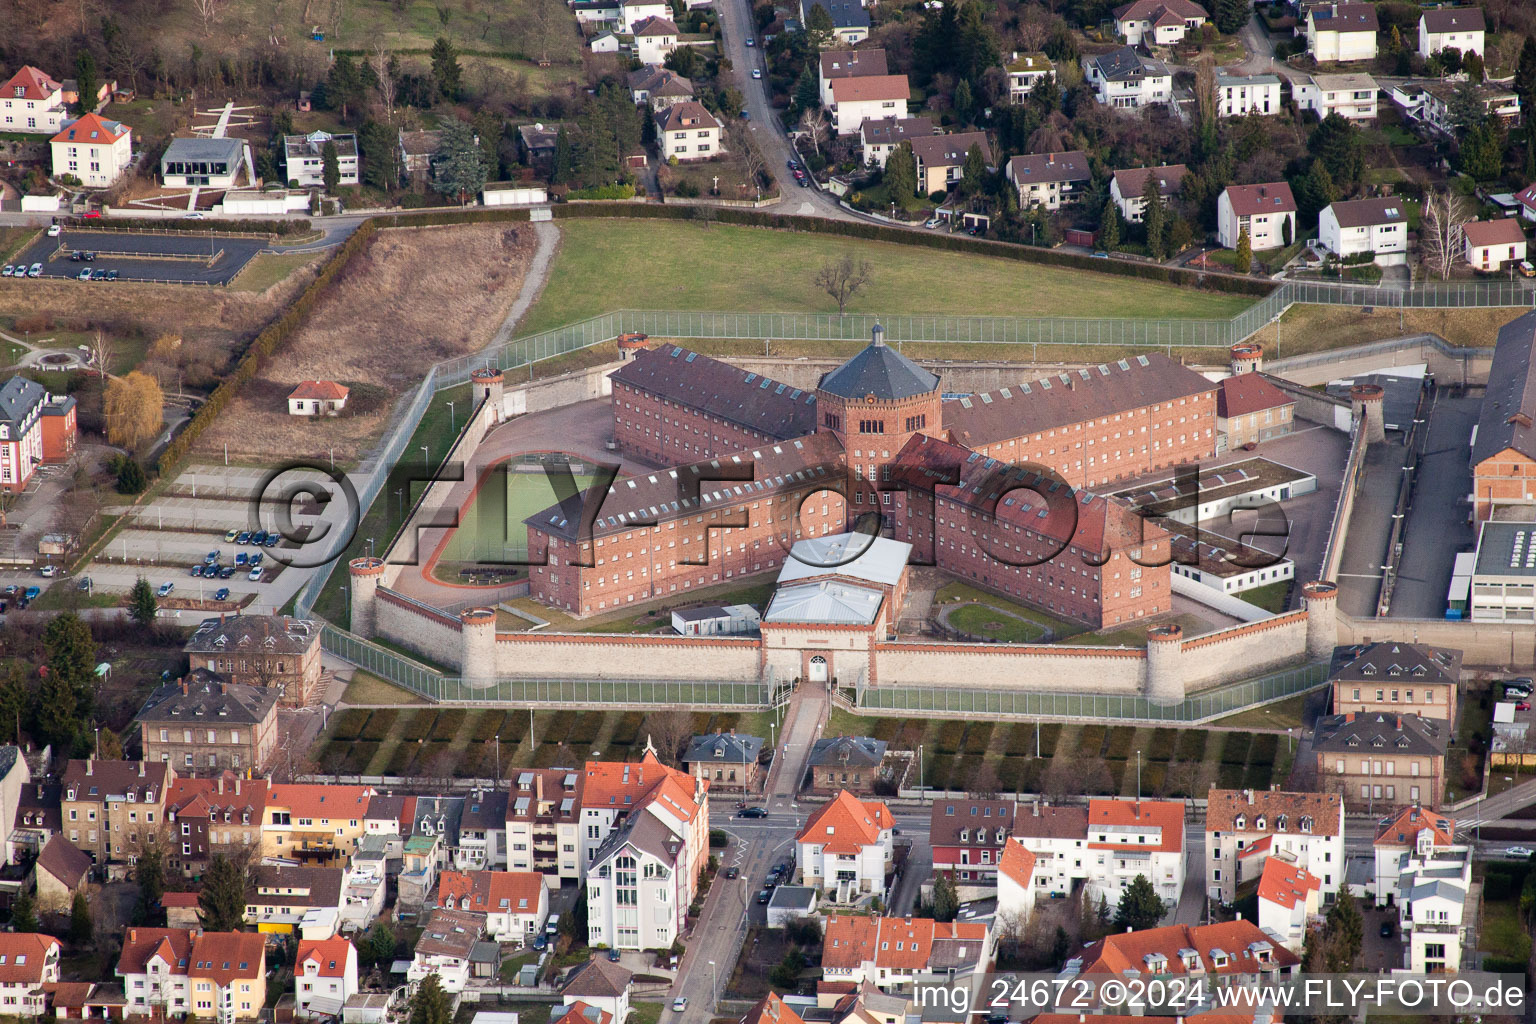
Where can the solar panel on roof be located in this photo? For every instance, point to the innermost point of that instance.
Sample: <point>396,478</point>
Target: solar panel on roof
<point>691,357</point>
<point>986,399</point>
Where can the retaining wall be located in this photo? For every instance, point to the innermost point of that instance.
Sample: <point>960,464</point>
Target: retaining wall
<point>1008,666</point>
<point>1243,651</point>
<point>618,656</point>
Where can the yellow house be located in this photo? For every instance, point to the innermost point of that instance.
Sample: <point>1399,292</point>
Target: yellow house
<point>227,975</point>
<point>314,823</point>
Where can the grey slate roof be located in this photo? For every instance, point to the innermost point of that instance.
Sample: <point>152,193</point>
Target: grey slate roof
<point>854,751</point>
<point>277,634</point>
<point>200,150</point>
<point>206,699</point>
<point>9,753</point>
<point>18,397</point>
<point>844,13</point>
<point>794,898</point>
<point>720,389</point>
<point>444,812</point>
<point>322,886</point>
<point>881,371</point>
<point>725,747</point>
<point>1124,63</point>
<point>1439,887</point>
<point>483,812</point>
<point>643,831</point>
<point>1393,662</point>
<point>1380,731</point>
<point>1508,417</point>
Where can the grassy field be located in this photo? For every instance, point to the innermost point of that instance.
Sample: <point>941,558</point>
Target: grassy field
<point>364,688</point>
<point>1282,714</point>
<point>492,529</point>
<point>1319,328</point>
<point>606,265</point>
<point>267,269</point>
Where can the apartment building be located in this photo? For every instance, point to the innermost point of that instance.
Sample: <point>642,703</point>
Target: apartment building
<point>1245,828</point>
<point>113,810</point>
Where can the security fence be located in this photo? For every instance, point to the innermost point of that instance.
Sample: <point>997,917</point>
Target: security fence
<point>970,702</point>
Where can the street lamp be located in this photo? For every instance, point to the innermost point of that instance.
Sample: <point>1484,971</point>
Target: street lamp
<point>714,985</point>
<point>453,427</point>
<point>426,459</point>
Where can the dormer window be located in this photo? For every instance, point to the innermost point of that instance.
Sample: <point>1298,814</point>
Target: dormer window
<point>1280,823</point>
<point>1241,821</point>
<point>1306,823</point>
<point>1258,823</point>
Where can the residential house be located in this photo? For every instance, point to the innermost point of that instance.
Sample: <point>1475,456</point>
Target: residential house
<point>967,837</point>
<point>790,903</point>
<point>1435,104</point>
<point>1352,97</point>
<point>38,818</point>
<point>206,726</point>
<point>314,822</point>
<point>93,149</point>
<point>866,97</point>
<point>1350,227</point>
<point>206,816</point>
<point>1342,32</point>
<point>1380,759</point>
<point>115,809</point>
<point>638,884</point>
<point>61,871</point>
<point>580,1013</point>
<point>1411,831</point>
<point>480,831</point>
<point>849,763</point>
<point>29,963</point>
<point>282,898</point>
<point>32,103</point>
<point>879,138</point>
<point>87,1000</point>
<point>1233,954</point>
<point>1106,847</point>
<point>154,967</point>
<point>1026,71</point>
<point>1158,22</point>
<point>727,761</point>
<point>1288,902</point>
<point>1124,79</point>
<point>1128,188</point>
<point>433,846</point>
<point>658,88</point>
<point>1527,200</point>
<point>845,848</point>
<point>1489,244</point>
<point>1057,838</point>
<point>304,158</point>
<point>447,939</point>
<point>611,791</point>
<point>1016,884</point>
<point>388,819</point>
<point>420,859</point>
<point>1422,868</point>
<point>35,428</point>
<point>1241,95</point>
<point>324,977</point>
<point>1048,179</point>
<point>513,904</point>
<point>655,39</point>
<point>1393,676</point>
<point>941,159</point>
<point>1244,828</point>
<point>215,975</point>
<point>1451,28</point>
<point>1250,410</point>
<point>15,788</point>
<point>850,19</point>
<point>601,984</point>
<point>897,953</point>
<point>417,148</point>
<point>262,650</point>
<point>181,910</point>
<point>1267,212</point>
<point>536,144</point>
<point>633,13</point>
<point>318,398</point>
<point>686,131</point>
<point>203,162</point>
<point>543,825</point>
<point>835,64</point>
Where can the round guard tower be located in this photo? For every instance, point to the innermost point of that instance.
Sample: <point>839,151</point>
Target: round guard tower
<point>1367,400</point>
<point>1247,358</point>
<point>1165,664</point>
<point>477,657</point>
<point>488,384</point>
<point>364,576</point>
<point>1320,598</point>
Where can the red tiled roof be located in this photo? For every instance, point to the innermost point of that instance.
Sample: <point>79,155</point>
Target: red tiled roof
<point>1286,884</point>
<point>1017,863</point>
<point>1127,951</point>
<point>852,63</point>
<point>628,785</point>
<point>225,956</point>
<point>490,891</point>
<point>1505,231</point>
<point>330,956</point>
<point>1165,815</point>
<point>179,900</point>
<point>1410,821</point>
<point>583,1013</point>
<point>23,955</point>
<point>1254,849</point>
<point>64,861</point>
<point>1038,822</point>
<point>656,26</point>
<point>687,114</point>
<point>1133,180</point>
<point>870,87</point>
<point>1249,392</point>
<point>772,1010</point>
<point>1274,197</point>
<point>321,800</point>
<point>34,85</point>
<point>846,824</point>
<point>91,129</point>
<point>323,390</point>
<point>1142,10</point>
<point>894,943</point>
<point>173,945</point>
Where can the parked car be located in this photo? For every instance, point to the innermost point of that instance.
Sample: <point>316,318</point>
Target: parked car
<point>76,256</point>
<point>613,956</point>
<point>1386,928</point>
<point>240,559</point>
<point>256,559</point>
<point>1525,268</point>
<point>85,583</point>
<point>211,557</point>
<point>753,812</point>
<point>84,275</point>
<point>732,873</point>
<point>222,594</point>
<point>12,590</point>
<point>259,538</point>
<point>271,540</point>
<point>1523,706</point>
<point>751,41</point>
<point>165,589</point>
<point>1519,852</point>
<point>792,164</point>
<point>226,572</point>
<point>230,535</point>
<point>53,230</point>
<point>242,538</point>
<point>99,274</point>
<point>111,275</point>
<point>680,1004</point>
<point>254,575</point>
<point>36,270</point>
<point>764,895</point>
<point>757,72</point>
<point>48,572</point>
<point>30,594</point>
<point>196,570</point>
<point>6,271</point>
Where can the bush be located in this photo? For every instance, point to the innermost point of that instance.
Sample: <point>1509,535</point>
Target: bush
<point>347,724</point>
<point>1120,739</point>
<point>380,724</point>
<point>487,725</point>
<point>718,839</point>
<point>1162,745</point>
<point>359,756</point>
<point>1050,735</point>
<point>1090,740</point>
<point>130,476</point>
<point>449,724</point>
<point>1234,748</point>
<point>686,190</point>
<point>604,192</point>
<point>400,760</point>
<point>627,732</point>
<point>556,728</point>
<point>1021,740</point>
<point>1265,746</point>
<point>418,725</point>
<point>584,732</point>
<point>265,228</point>
<point>514,727</point>
<point>951,735</point>
<point>1192,745</point>
<point>977,737</point>
<point>1258,776</point>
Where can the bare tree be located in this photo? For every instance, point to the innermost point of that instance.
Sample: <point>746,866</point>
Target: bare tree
<point>1205,88</point>
<point>208,10</point>
<point>816,124</point>
<point>379,61</point>
<point>1440,223</point>
<point>102,350</point>
<point>667,730</point>
<point>751,160</point>
<point>1034,28</point>
<point>842,279</point>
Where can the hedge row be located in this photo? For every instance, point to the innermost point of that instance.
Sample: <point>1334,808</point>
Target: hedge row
<point>1265,746</point>
<point>951,736</point>
<point>449,724</point>
<point>1257,776</point>
<point>264,228</point>
<point>1050,735</point>
<point>848,229</point>
<point>555,728</point>
<point>359,756</point>
<point>977,737</point>
<point>487,726</point>
<point>1090,740</point>
<point>584,732</point>
<point>265,345</point>
<point>1192,745</point>
<point>1120,740</point>
<point>886,729</point>
<point>400,760</point>
<point>1162,745</point>
<point>347,724</point>
<point>380,724</point>
<point>514,728</point>
<point>627,732</point>
<point>1234,747</point>
<point>1021,740</point>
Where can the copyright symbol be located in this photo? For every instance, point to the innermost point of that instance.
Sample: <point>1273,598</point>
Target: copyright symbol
<point>313,509</point>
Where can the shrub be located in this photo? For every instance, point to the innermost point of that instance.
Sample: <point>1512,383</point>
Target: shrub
<point>1121,737</point>
<point>967,768</point>
<point>1021,740</point>
<point>380,724</point>
<point>1234,748</point>
<point>349,723</point>
<point>265,228</point>
<point>1258,776</point>
<point>359,756</point>
<point>556,728</point>
<point>1090,740</point>
<point>937,771</point>
<point>686,190</point>
<point>1050,735</point>
<point>1116,776</point>
<point>1230,776</point>
<point>605,192</point>
<point>627,731</point>
<point>1154,777</point>
<point>514,727</point>
<point>1010,773</point>
<point>418,725</point>
<point>400,759</point>
<point>449,724</point>
<point>1192,745</point>
<point>886,729</point>
<point>1265,746</point>
<point>951,735</point>
<point>584,731</point>
<point>487,725</point>
<point>977,736</point>
<point>1162,745</point>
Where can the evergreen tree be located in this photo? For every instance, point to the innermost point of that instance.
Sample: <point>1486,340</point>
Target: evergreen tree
<point>221,900</point>
<point>974,174</point>
<point>1231,15</point>
<point>379,944</point>
<point>965,102</point>
<point>380,158</point>
<point>806,95</point>
<point>79,920</point>
<point>1473,65</point>
<point>130,476</point>
<point>1101,916</point>
<point>108,746</point>
<point>330,166</point>
<point>1244,262</point>
<point>946,899</point>
<point>1525,75</point>
<point>149,875</point>
<point>1482,153</point>
<point>1061,947</point>
<point>429,1004</point>
<point>901,174</point>
<point>86,82</point>
<point>15,703</point>
<point>1140,906</point>
<point>24,914</point>
<point>1313,191</point>
<point>445,69</point>
<point>975,49</point>
<point>1155,217</point>
<point>1346,930</point>
<point>565,161</point>
<point>1287,236</point>
<point>819,24</point>
<point>1466,109</point>
<point>345,84</point>
<point>70,651</point>
<point>142,604</point>
<point>684,60</point>
<point>1109,226</point>
<point>458,167</point>
<point>58,719</point>
<point>1338,144</point>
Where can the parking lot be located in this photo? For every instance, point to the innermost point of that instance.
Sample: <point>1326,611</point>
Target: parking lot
<point>188,259</point>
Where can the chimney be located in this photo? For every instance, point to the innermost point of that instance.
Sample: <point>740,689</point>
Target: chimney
<point>89,769</point>
<point>141,769</point>
<point>1249,794</point>
<point>237,785</point>
<point>183,686</point>
<point>538,788</point>
<point>221,784</point>
<point>879,337</point>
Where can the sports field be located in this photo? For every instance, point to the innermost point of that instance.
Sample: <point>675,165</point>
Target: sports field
<point>646,264</point>
<point>491,529</point>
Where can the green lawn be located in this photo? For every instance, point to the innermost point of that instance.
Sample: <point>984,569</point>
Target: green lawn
<point>616,264</point>
<point>1135,635</point>
<point>1270,597</point>
<point>365,688</point>
<point>992,623</point>
<point>267,269</point>
<point>1282,714</point>
<point>953,592</point>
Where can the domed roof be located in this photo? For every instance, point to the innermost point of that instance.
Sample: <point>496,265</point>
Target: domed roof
<point>879,371</point>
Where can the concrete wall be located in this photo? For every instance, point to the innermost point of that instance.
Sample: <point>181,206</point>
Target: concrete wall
<point>619,656</point>
<point>414,626</point>
<point>1484,645</point>
<point>1315,406</point>
<point>958,377</point>
<point>1242,652</point>
<point>1445,361</point>
<point>556,392</point>
<point>1007,666</point>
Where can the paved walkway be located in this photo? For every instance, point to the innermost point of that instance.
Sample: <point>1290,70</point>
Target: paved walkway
<point>548,238</point>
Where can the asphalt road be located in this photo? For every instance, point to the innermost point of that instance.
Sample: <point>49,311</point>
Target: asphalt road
<point>197,259</point>
<point>1437,527</point>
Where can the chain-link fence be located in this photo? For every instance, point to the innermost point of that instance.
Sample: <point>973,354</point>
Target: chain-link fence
<point>964,702</point>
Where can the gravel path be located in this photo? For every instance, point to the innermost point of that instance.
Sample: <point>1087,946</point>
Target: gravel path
<point>533,282</point>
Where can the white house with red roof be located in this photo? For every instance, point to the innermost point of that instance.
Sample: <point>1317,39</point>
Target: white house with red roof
<point>1158,22</point>
<point>1427,873</point>
<point>1264,211</point>
<point>846,847</point>
<point>32,102</point>
<point>318,398</point>
<point>1413,833</point>
<point>1015,882</point>
<point>325,976</point>
<point>1489,244</point>
<point>1250,409</point>
<point>1289,899</point>
<point>1246,828</point>
<point>93,149</point>
<point>897,952</point>
<point>1231,954</point>
<point>515,903</point>
<point>1127,838</point>
<point>655,39</point>
<point>27,962</point>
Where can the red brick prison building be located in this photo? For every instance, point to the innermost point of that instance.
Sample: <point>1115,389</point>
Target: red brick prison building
<point>878,430</point>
